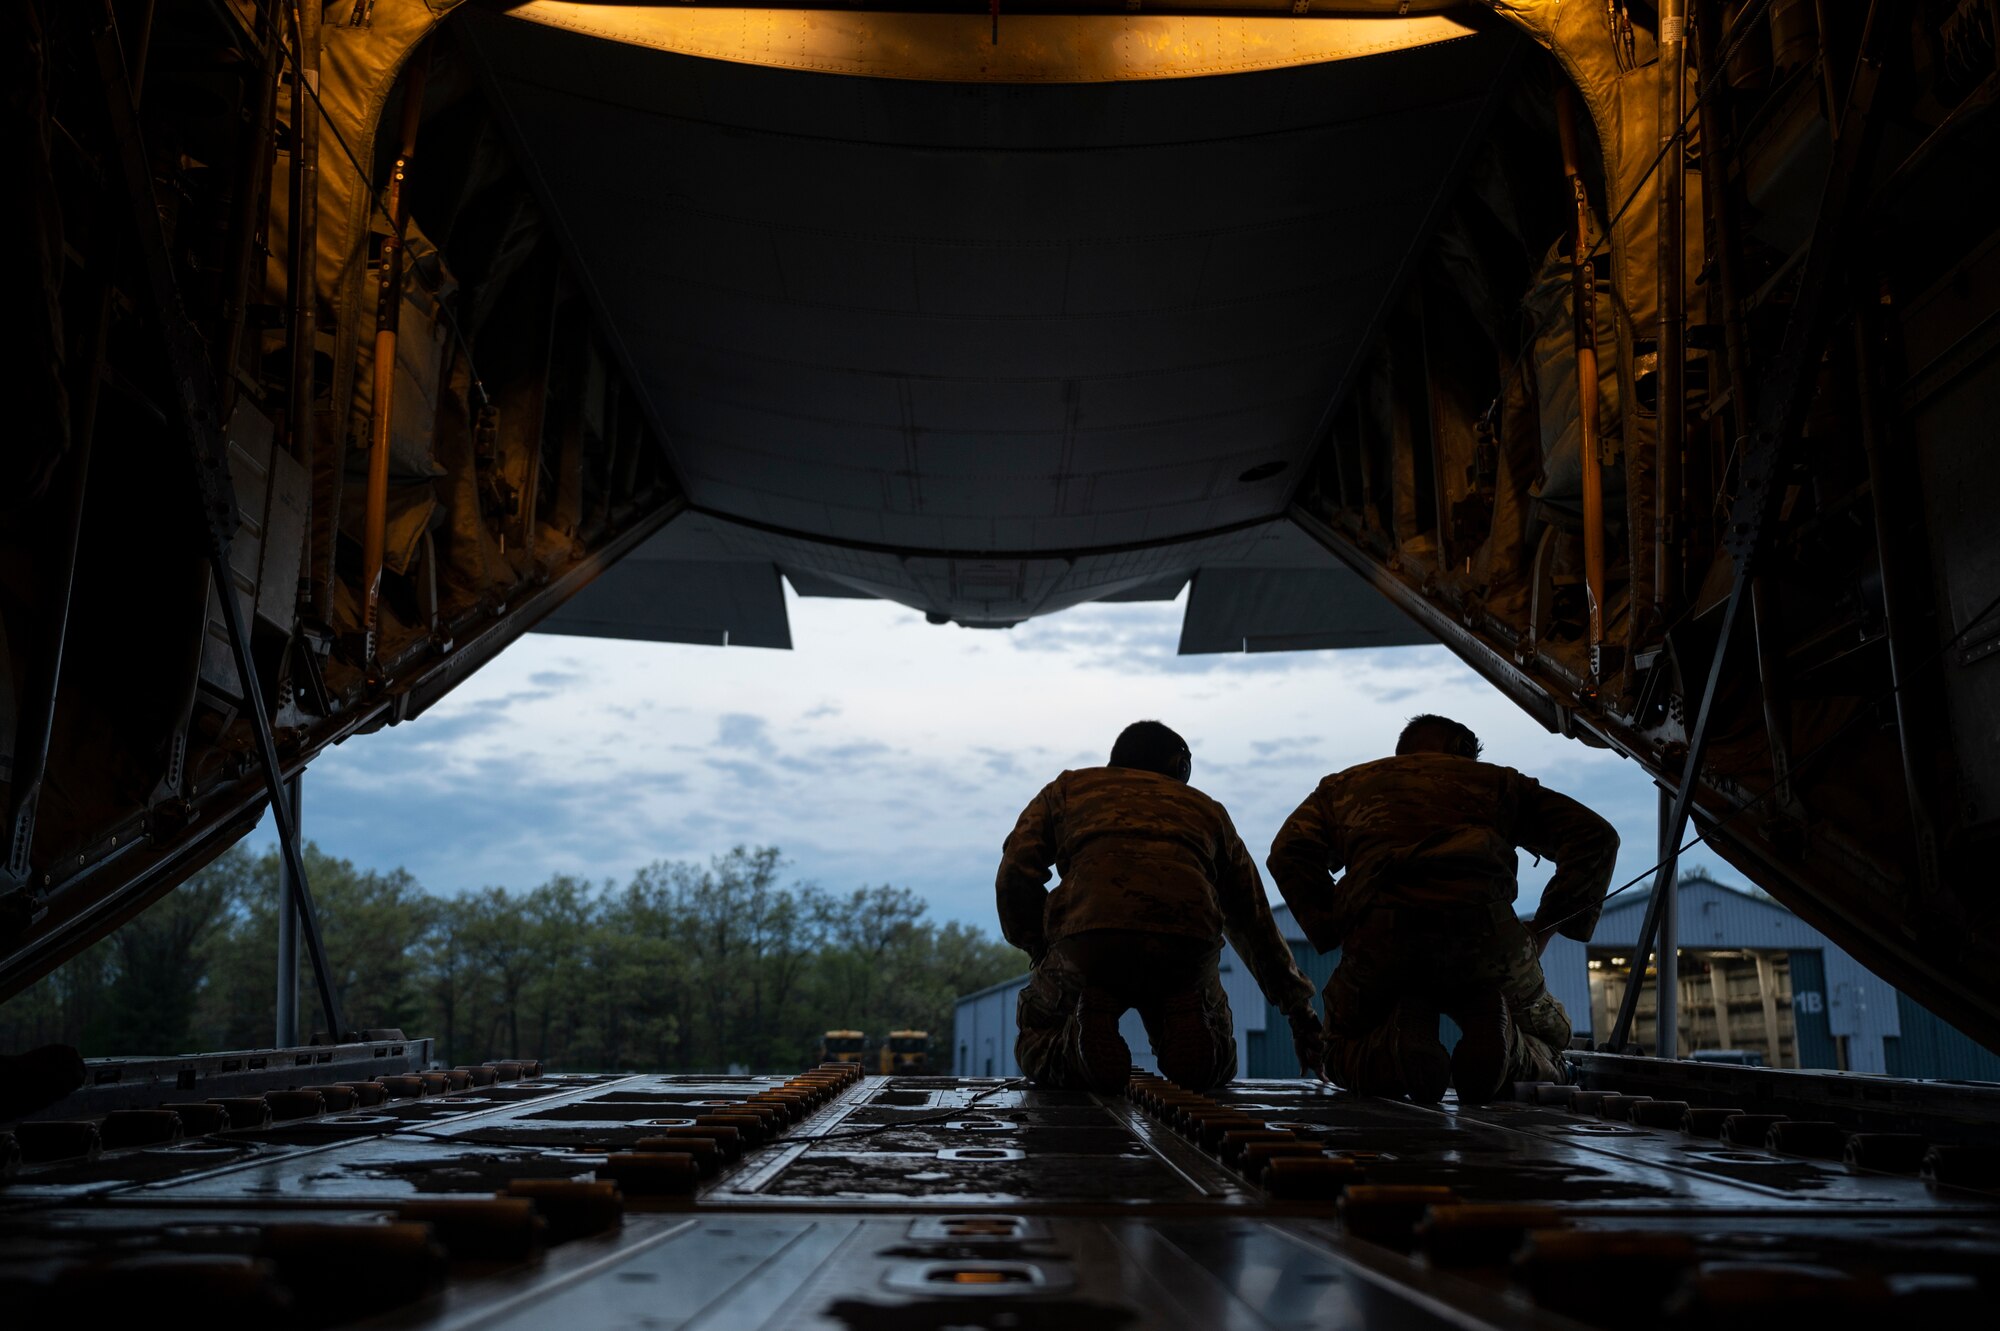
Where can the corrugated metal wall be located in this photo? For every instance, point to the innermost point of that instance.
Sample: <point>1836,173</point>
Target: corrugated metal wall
<point>983,1031</point>
<point>1928,1047</point>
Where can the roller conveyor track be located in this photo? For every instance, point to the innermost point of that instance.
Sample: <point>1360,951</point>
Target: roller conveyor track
<point>834,1200</point>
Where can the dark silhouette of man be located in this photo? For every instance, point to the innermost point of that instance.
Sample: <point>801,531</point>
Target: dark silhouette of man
<point>1153,878</point>
<point>1424,914</point>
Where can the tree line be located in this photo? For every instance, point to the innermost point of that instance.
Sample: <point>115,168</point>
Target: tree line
<point>684,967</point>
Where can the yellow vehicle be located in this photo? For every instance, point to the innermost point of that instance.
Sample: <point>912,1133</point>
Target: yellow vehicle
<point>842,1047</point>
<point>906,1051</point>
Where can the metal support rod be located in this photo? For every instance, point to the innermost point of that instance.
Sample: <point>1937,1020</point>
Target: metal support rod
<point>388,311</point>
<point>192,379</point>
<point>1667,1011</point>
<point>1583,311</point>
<point>274,778</point>
<point>1884,490</point>
<point>287,1033</point>
<point>1675,824</point>
<point>1780,410</point>
<point>1672,357</point>
<point>1771,688</point>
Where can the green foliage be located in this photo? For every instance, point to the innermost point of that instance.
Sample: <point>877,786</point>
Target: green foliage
<point>684,967</point>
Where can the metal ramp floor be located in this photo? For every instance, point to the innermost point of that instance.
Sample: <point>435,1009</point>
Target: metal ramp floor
<point>932,1202</point>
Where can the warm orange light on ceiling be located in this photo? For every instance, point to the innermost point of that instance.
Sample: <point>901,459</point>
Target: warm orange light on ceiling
<point>1033,48</point>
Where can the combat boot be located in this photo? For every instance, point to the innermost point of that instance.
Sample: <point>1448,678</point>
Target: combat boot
<point>1186,1045</point>
<point>1479,1064</point>
<point>1106,1058</point>
<point>1423,1068</point>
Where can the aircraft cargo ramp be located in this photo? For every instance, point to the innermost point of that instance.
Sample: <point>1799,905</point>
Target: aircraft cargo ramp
<point>837,1200</point>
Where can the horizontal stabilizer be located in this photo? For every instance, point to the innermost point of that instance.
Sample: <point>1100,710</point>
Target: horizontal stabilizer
<point>1290,610</point>
<point>709,602</point>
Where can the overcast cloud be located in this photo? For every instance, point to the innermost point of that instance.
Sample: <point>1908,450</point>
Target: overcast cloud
<point>881,749</point>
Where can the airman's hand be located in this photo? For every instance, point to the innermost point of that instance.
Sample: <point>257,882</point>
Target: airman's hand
<point>1308,1040</point>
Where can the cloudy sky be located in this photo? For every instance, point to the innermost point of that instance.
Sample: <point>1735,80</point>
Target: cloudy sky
<point>882,748</point>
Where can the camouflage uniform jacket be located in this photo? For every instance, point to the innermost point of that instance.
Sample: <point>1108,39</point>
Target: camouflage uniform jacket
<point>1436,833</point>
<point>1137,850</point>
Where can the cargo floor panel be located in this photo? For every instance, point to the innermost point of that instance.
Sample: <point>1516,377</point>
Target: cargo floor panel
<point>891,1273</point>
<point>1016,1146</point>
<point>924,1203</point>
<point>1516,1153</point>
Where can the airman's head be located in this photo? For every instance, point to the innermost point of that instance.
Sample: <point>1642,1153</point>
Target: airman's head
<point>1152,747</point>
<point>1438,734</point>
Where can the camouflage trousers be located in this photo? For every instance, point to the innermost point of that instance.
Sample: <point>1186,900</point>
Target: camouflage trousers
<point>1389,964</point>
<point>1126,969</point>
